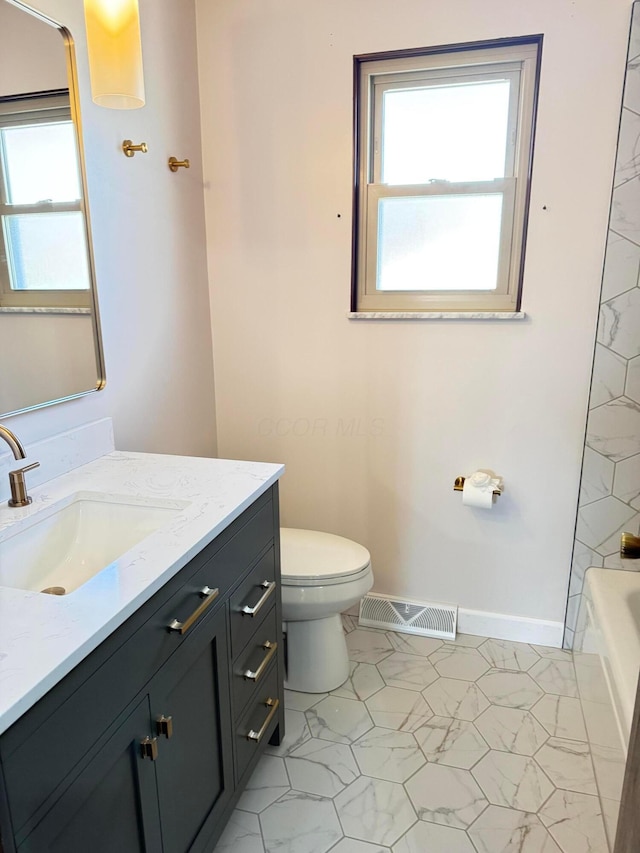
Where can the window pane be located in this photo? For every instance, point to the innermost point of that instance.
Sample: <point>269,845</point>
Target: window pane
<point>47,251</point>
<point>439,242</point>
<point>41,163</point>
<point>454,132</point>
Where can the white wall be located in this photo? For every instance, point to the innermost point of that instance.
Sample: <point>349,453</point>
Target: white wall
<point>425,401</point>
<point>48,343</point>
<point>148,227</point>
<point>43,46</point>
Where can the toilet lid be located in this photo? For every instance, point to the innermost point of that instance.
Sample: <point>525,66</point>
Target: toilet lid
<point>310,554</point>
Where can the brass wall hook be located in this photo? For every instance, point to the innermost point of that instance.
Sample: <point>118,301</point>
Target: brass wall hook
<point>130,149</point>
<point>175,164</point>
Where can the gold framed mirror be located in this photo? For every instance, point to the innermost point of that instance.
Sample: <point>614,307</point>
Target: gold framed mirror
<point>50,342</point>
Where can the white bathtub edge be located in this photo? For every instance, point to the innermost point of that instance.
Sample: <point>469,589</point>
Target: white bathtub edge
<point>620,635</point>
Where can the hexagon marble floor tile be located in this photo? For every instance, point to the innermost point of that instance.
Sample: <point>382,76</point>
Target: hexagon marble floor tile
<point>472,746</point>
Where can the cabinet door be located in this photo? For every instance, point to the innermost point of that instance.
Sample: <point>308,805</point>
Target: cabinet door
<point>113,803</point>
<point>190,706</point>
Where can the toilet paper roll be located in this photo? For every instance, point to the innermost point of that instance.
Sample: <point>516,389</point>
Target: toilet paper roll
<point>478,490</point>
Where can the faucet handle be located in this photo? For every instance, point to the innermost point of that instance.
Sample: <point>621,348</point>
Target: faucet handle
<point>26,468</point>
<point>19,496</point>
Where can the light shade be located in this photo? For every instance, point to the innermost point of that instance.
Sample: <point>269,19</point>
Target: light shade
<point>115,53</point>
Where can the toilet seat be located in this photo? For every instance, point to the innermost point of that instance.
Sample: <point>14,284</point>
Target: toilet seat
<point>313,558</point>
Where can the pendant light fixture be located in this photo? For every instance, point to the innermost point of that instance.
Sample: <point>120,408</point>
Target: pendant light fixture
<point>115,53</point>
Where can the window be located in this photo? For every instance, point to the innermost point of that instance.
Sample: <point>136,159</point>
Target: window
<point>444,141</point>
<point>43,250</point>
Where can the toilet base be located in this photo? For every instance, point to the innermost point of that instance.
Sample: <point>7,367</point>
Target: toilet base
<point>317,659</point>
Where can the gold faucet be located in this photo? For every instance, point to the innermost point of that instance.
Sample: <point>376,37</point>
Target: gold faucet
<point>630,546</point>
<point>19,496</point>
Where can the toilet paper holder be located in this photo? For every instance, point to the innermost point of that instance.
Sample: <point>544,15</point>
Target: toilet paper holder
<point>458,486</point>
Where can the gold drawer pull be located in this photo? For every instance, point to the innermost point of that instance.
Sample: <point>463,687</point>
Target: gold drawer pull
<point>268,587</point>
<point>270,648</point>
<point>149,748</point>
<point>209,596</point>
<point>257,736</point>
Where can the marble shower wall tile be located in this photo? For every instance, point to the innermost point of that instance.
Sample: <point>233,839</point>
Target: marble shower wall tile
<point>597,477</point>
<point>609,374</point>
<point>614,429</point>
<point>613,424</point>
<point>626,481</point>
<point>632,385</point>
<point>631,98</point>
<point>625,210</point>
<point>621,268</point>
<point>583,558</point>
<point>628,160</point>
<point>598,521</point>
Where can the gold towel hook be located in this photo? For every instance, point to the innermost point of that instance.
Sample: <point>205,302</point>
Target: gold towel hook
<point>175,164</point>
<point>130,149</point>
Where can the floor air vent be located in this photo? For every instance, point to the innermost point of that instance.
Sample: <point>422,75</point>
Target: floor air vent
<point>410,617</point>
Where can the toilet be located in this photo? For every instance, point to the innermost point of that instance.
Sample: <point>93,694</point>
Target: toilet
<point>322,575</point>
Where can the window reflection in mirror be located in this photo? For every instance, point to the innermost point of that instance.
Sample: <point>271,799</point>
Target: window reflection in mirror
<point>42,235</point>
<point>49,333</point>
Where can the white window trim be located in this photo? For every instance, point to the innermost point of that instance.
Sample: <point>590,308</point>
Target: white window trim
<point>41,108</point>
<point>378,73</point>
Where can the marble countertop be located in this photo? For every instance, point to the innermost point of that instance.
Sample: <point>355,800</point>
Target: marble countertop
<point>42,637</point>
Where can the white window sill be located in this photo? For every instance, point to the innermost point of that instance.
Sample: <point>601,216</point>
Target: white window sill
<point>51,309</point>
<point>436,315</point>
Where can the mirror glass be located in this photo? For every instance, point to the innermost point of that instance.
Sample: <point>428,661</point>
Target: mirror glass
<point>49,329</point>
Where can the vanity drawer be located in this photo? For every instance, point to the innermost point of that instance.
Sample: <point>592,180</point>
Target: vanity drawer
<point>259,721</point>
<point>220,572</point>
<point>252,664</point>
<point>252,600</point>
<point>42,748</point>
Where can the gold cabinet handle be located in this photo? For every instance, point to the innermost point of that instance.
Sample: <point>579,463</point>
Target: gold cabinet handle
<point>268,587</point>
<point>164,726</point>
<point>270,648</point>
<point>209,596</point>
<point>257,736</point>
<point>149,748</point>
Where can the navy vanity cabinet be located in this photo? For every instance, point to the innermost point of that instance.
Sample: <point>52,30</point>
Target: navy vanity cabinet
<point>166,772</point>
<point>112,804</point>
<point>257,669</point>
<point>192,719</point>
<point>134,751</point>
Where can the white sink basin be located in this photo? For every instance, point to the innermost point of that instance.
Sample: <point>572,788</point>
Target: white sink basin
<point>59,549</point>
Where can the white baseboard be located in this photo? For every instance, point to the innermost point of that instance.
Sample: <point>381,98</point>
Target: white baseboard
<point>500,626</point>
